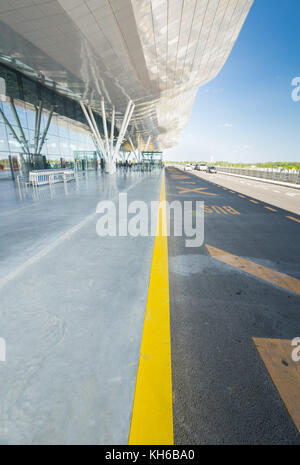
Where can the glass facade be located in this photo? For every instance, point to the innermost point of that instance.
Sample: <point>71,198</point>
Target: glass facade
<point>67,132</point>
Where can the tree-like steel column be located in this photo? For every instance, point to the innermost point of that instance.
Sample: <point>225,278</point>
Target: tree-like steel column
<point>108,149</point>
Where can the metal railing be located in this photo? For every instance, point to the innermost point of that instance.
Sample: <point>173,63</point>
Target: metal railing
<point>41,177</point>
<point>288,176</point>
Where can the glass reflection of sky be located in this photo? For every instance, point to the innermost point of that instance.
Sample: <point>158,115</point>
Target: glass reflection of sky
<point>63,137</point>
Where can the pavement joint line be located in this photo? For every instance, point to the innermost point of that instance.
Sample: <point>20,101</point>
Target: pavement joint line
<point>152,413</point>
<point>293,219</point>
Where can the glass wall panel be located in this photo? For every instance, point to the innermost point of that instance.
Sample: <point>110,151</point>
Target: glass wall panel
<point>31,118</point>
<point>3,138</point>
<point>8,112</point>
<point>30,89</point>
<point>11,82</point>
<point>47,98</point>
<point>65,135</point>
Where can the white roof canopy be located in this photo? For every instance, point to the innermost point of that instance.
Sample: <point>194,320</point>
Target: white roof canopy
<point>154,52</point>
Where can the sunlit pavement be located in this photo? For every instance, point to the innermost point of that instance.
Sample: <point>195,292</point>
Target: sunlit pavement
<point>72,312</point>
<point>280,196</point>
<point>88,320</point>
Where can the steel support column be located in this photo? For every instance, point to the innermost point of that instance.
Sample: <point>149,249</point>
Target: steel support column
<point>14,133</point>
<point>108,149</point>
<point>43,138</point>
<point>25,141</point>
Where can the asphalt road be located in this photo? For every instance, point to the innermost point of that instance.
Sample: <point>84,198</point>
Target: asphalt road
<point>222,391</point>
<point>280,196</point>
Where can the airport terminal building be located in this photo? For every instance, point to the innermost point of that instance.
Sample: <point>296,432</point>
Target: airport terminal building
<point>82,80</point>
<point>62,138</point>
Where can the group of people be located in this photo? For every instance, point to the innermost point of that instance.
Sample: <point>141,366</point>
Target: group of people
<point>125,165</point>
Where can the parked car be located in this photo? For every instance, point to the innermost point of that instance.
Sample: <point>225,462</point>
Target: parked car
<point>201,167</point>
<point>188,168</point>
<point>211,169</point>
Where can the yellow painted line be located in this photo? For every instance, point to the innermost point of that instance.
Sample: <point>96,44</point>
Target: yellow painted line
<point>294,219</point>
<point>231,210</point>
<point>225,209</point>
<point>232,192</point>
<point>271,209</point>
<point>267,274</point>
<point>285,373</point>
<point>197,190</point>
<point>242,196</point>
<point>152,415</point>
<point>219,210</point>
<point>254,201</point>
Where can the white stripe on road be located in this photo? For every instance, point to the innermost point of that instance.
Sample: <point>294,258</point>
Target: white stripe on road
<point>290,194</point>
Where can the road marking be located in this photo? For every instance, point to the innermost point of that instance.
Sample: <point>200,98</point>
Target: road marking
<point>179,176</point>
<point>197,190</point>
<point>152,415</point>
<point>278,192</point>
<point>224,210</point>
<point>254,201</point>
<point>219,210</point>
<point>231,210</point>
<point>267,274</point>
<point>232,192</point>
<point>294,219</point>
<point>285,373</point>
<point>242,196</point>
<point>271,209</point>
<point>187,182</point>
<point>290,194</point>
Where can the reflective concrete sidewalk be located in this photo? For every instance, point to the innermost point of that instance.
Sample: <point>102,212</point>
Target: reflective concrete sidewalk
<point>72,311</point>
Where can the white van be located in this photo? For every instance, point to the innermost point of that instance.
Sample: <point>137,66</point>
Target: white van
<point>201,167</point>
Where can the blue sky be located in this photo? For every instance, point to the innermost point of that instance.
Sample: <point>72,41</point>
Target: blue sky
<point>246,114</point>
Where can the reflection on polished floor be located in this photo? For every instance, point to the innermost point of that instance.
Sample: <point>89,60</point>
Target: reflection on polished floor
<point>72,311</point>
